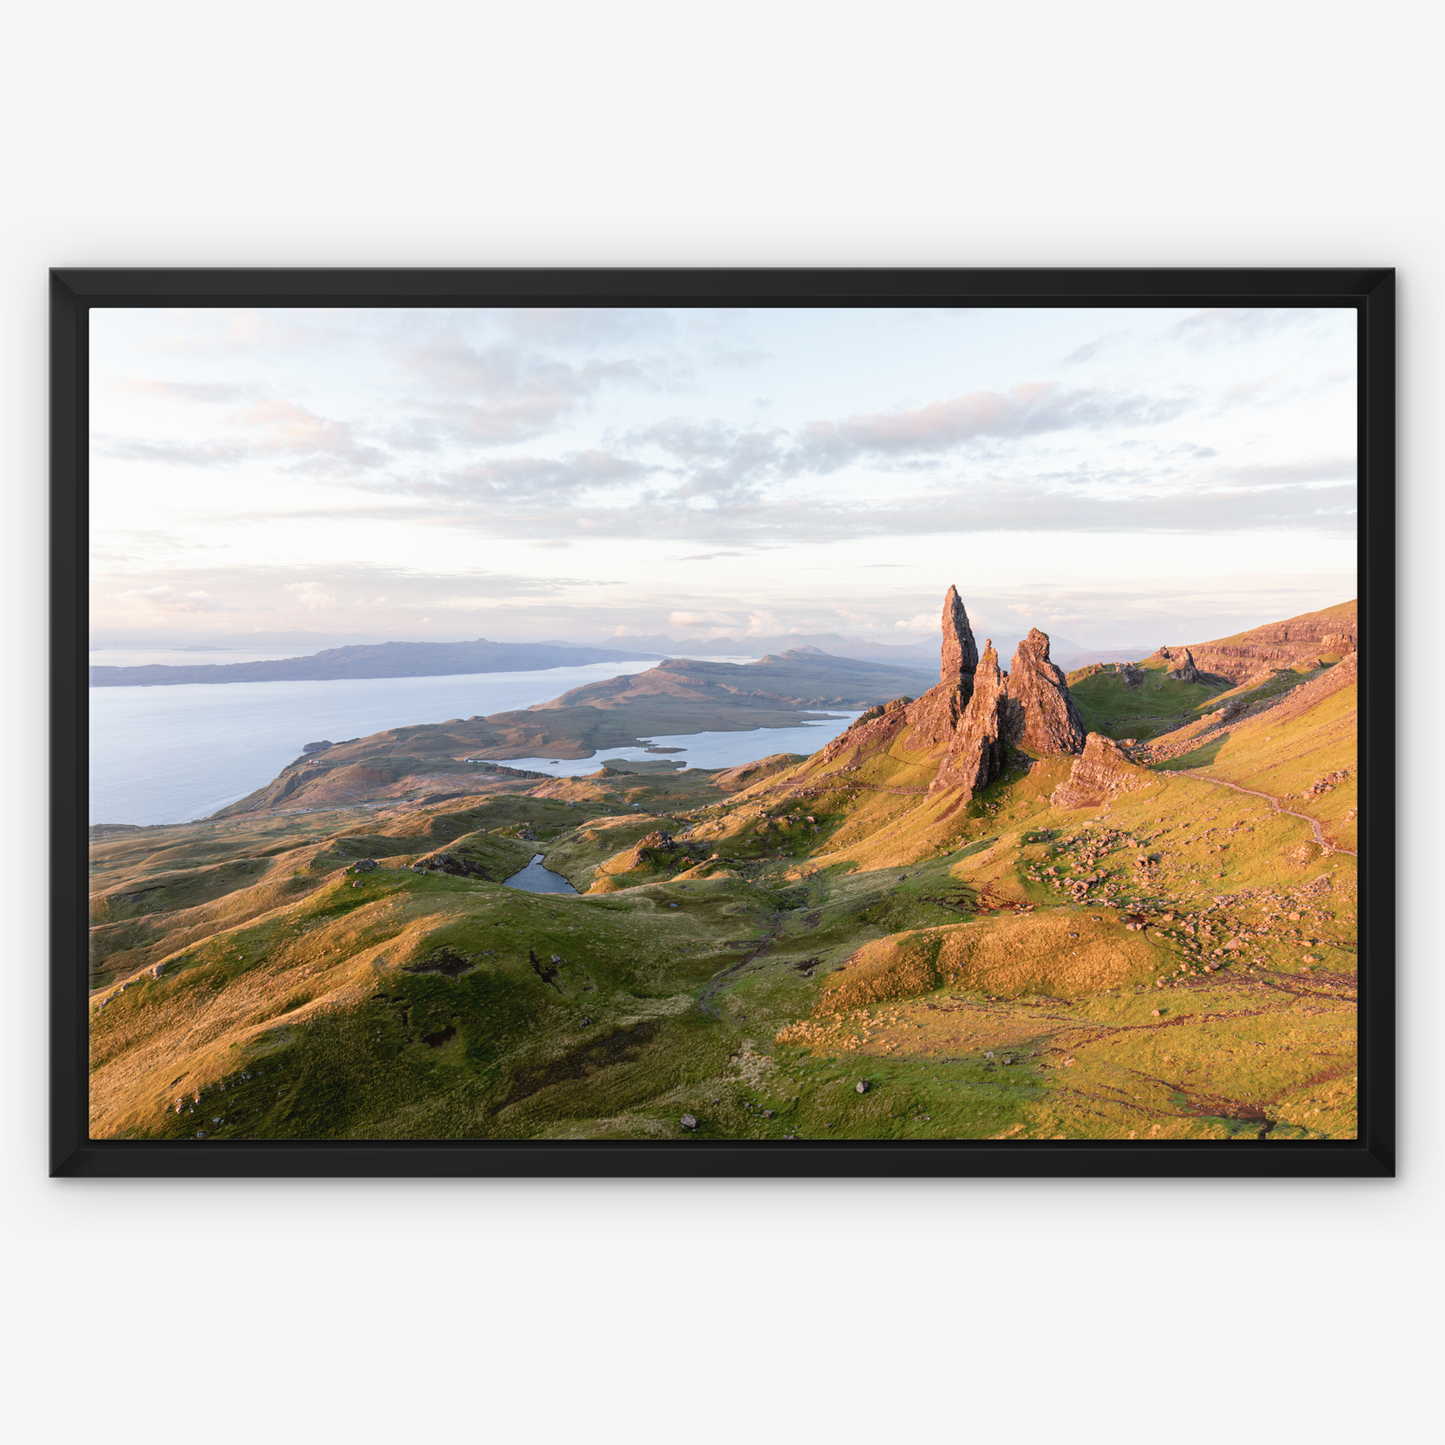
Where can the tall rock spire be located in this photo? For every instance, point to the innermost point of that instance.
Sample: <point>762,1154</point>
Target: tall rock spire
<point>1042,716</point>
<point>979,748</point>
<point>960,651</point>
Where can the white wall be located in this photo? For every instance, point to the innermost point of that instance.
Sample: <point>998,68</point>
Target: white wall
<point>803,134</point>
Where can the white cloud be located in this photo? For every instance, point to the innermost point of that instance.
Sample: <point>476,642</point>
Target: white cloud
<point>473,441</point>
<point>694,620</point>
<point>169,599</point>
<point>922,622</point>
<point>312,596</point>
<point>269,431</point>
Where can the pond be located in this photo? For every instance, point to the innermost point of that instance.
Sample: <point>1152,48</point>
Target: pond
<point>534,878</point>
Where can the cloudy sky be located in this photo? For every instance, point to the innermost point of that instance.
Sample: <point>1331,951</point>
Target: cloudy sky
<point>310,477</point>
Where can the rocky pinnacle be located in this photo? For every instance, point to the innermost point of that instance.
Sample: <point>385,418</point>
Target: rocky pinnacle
<point>979,747</point>
<point>960,651</point>
<point>1043,717</point>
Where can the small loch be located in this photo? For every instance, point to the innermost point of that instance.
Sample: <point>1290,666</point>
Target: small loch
<point>534,878</point>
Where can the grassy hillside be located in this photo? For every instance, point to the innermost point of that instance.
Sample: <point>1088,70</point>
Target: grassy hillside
<point>748,946</point>
<point>1113,704</point>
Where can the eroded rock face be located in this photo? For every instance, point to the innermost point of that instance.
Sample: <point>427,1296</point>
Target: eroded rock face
<point>960,651</point>
<point>1183,670</point>
<point>1103,772</point>
<point>980,745</point>
<point>934,718</point>
<point>1043,717</point>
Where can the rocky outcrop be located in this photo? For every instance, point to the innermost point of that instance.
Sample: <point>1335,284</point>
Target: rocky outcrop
<point>970,719</point>
<point>1103,772</point>
<point>1042,716</point>
<point>451,864</point>
<point>980,741</point>
<point>1298,642</point>
<point>656,847</point>
<point>1183,670</point>
<point>960,651</point>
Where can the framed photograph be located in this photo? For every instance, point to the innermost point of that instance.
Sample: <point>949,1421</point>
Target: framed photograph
<point>722,722</point>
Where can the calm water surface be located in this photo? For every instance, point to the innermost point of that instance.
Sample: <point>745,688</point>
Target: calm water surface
<point>534,878</point>
<point>171,754</point>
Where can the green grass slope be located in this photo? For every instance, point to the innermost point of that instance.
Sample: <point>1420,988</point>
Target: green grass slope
<point>747,947</point>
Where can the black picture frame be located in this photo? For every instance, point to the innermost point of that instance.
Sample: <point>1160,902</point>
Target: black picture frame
<point>73,292</point>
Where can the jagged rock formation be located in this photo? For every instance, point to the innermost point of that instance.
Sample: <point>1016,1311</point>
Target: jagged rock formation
<point>974,713</point>
<point>1042,716</point>
<point>960,651</point>
<point>1103,772</point>
<point>980,741</point>
<point>1184,671</point>
<point>1296,642</point>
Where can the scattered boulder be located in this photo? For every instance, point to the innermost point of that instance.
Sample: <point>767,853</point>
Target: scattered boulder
<point>1101,773</point>
<point>365,866</point>
<point>863,1085</point>
<point>1043,716</point>
<point>689,1122</point>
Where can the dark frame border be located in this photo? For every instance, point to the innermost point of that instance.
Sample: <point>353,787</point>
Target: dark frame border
<point>73,292</point>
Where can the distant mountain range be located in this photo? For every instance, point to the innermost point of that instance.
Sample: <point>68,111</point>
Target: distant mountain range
<point>901,654</point>
<point>385,659</point>
<point>447,659</point>
<point>904,654</point>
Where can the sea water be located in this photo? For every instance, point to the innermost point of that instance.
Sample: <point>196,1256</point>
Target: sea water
<point>171,754</point>
<point>703,750</point>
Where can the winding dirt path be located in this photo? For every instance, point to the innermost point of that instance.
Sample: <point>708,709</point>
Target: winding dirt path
<point>1276,805</point>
